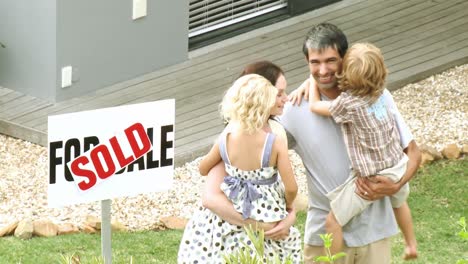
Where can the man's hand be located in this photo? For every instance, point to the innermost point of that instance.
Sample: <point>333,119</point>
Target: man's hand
<point>376,187</point>
<point>281,230</point>
<point>302,91</point>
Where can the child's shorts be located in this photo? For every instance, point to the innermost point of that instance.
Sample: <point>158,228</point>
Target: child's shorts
<point>346,204</point>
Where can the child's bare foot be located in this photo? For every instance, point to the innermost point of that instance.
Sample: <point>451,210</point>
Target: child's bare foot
<point>410,253</point>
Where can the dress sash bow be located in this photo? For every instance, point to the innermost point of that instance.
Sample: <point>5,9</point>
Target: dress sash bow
<point>251,194</point>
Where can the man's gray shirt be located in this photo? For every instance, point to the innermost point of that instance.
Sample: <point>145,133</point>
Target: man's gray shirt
<point>319,142</point>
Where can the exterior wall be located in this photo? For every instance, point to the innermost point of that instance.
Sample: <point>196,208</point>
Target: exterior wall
<point>99,39</point>
<point>27,64</point>
<point>105,46</point>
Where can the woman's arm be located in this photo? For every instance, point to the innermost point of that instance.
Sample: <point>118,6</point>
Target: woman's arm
<point>210,160</point>
<point>281,230</point>
<point>317,106</point>
<point>214,199</point>
<point>286,172</point>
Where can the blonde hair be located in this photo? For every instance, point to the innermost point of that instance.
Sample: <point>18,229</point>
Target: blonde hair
<point>248,102</point>
<point>364,72</point>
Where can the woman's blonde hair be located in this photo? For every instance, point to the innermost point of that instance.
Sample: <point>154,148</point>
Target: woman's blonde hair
<point>248,102</point>
<point>364,72</point>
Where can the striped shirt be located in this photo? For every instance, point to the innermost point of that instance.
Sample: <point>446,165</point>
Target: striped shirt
<point>370,133</point>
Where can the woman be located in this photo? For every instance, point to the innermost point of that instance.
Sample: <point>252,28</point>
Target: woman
<point>208,227</point>
<point>213,198</point>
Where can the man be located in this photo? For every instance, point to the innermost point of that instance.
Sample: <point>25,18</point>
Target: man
<point>319,143</point>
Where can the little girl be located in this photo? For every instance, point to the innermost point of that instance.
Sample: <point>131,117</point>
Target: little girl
<point>252,159</point>
<point>371,137</point>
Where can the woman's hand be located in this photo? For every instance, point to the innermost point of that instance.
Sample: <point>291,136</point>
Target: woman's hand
<point>302,91</point>
<point>261,225</point>
<point>281,229</point>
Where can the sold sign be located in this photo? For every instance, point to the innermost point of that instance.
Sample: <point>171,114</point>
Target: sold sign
<point>111,152</point>
<point>105,159</point>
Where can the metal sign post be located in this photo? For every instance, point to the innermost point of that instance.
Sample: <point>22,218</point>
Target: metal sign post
<point>102,154</point>
<point>106,231</point>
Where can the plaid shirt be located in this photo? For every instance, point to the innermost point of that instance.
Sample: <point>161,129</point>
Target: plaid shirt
<point>370,133</point>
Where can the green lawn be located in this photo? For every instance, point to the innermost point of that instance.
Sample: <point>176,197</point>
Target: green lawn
<point>439,198</point>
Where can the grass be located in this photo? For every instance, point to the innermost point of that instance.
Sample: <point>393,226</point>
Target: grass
<point>142,247</point>
<point>439,198</point>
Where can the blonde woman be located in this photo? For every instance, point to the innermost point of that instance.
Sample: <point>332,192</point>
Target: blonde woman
<point>254,160</point>
<point>372,140</point>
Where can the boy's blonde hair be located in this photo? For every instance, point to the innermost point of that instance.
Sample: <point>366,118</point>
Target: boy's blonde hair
<point>364,72</point>
<point>248,102</point>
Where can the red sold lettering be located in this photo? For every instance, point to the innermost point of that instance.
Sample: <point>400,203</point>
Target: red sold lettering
<point>75,168</point>
<point>137,151</point>
<point>97,162</point>
<point>123,161</point>
<point>102,156</point>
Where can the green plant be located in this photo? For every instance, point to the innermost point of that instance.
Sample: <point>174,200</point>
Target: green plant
<point>253,254</point>
<point>463,234</point>
<point>75,259</point>
<point>69,259</point>
<point>327,242</point>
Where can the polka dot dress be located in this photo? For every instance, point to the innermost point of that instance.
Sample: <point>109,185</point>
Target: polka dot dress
<point>207,238</point>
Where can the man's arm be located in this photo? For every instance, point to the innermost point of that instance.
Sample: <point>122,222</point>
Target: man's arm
<point>381,186</point>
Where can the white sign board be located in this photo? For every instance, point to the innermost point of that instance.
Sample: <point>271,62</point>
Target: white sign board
<point>111,152</point>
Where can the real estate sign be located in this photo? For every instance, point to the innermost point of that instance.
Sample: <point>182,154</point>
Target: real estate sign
<point>111,152</point>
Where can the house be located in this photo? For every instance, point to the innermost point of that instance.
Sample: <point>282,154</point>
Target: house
<point>61,49</point>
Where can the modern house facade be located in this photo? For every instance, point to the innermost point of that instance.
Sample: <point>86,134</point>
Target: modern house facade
<point>61,49</point>
<point>93,43</point>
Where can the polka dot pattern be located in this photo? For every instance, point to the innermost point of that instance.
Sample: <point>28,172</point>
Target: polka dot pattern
<point>271,207</point>
<point>207,238</point>
<point>200,246</point>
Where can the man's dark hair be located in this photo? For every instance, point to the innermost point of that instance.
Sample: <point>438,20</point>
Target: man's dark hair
<point>323,36</point>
